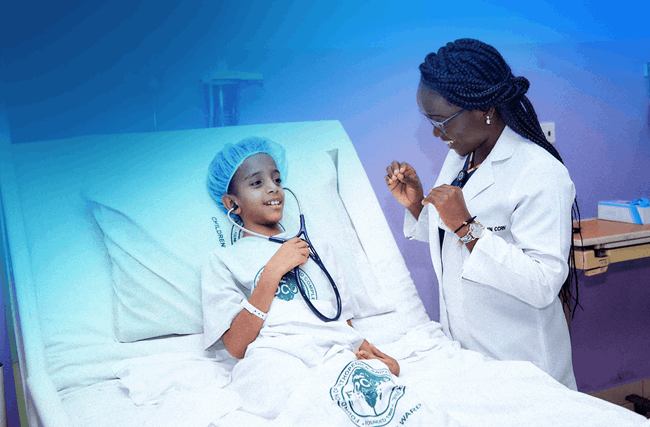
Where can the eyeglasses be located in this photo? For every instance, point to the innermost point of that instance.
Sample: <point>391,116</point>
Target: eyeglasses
<point>441,125</point>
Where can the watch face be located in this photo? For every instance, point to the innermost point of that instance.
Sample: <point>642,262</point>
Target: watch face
<point>476,229</point>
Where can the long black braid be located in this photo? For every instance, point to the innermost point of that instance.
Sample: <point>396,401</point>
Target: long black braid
<point>473,75</point>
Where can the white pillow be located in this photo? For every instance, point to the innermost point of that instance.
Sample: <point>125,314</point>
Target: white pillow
<point>157,230</point>
<point>159,222</point>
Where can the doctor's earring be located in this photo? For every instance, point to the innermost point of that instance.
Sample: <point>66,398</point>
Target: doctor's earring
<point>487,120</point>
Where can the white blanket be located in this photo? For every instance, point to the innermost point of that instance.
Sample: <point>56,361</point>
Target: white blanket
<point>301,371</point>
<point>292,342</point>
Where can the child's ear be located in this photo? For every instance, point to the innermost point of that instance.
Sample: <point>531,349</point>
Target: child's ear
<point>230,202</point>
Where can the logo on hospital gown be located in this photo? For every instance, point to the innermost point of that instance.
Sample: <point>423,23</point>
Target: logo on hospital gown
<point>368,396</point>
<point>288,286</point>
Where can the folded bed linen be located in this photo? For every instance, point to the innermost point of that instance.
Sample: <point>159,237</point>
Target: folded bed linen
<point>150,378</point>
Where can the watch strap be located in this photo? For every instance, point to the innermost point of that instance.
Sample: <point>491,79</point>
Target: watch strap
<point>469,221</point>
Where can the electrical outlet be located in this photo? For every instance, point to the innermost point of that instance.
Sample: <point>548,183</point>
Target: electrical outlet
<point>549,131</point>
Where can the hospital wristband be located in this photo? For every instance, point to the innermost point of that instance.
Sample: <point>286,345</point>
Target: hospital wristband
<point>252,309</point>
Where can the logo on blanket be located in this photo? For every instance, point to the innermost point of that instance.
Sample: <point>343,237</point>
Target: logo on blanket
<point>367,395</point>
<point>288,286</point>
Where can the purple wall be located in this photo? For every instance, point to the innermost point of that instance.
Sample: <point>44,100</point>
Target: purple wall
<point>596,95</point>
<point>593,91</point>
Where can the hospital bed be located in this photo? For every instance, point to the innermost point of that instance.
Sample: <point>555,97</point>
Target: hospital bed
<point>104,238</point>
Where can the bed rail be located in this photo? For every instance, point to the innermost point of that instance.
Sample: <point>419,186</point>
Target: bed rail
<point>43,404</point>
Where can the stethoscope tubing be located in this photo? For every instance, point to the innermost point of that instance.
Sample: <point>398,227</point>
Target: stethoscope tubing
<point>312,254</point>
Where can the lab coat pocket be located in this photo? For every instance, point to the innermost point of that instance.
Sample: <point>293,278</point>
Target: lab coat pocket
<point>498,324</point>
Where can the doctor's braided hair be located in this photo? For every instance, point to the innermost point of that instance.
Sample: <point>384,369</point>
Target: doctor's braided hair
<point>473,75</point>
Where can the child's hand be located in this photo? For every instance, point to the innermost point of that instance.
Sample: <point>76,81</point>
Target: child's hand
<point>293,253</point>
<point>368,351</point>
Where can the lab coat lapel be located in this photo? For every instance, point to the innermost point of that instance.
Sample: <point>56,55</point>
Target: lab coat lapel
<point>480,180</point>
<point>454,163</point>
<point>484,175</point>
<point>450,168</point>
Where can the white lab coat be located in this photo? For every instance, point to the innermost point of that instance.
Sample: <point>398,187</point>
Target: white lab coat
<point>502,298</point>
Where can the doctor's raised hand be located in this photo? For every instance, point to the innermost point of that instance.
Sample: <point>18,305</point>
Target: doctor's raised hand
<point>404,184</point>
<point>450,204</point>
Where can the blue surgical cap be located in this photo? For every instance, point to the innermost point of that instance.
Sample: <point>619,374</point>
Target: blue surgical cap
<point>227,161</point>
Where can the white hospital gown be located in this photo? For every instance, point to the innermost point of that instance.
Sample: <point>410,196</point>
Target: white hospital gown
<point>230,274</point>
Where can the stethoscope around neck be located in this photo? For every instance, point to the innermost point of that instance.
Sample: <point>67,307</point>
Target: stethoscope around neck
<point>312,254</point>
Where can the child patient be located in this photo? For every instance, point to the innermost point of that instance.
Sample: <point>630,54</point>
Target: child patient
<point>240,284</point>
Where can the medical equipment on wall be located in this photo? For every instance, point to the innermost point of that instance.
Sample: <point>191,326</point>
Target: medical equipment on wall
<point>312,254</point>
<point>223,87</point>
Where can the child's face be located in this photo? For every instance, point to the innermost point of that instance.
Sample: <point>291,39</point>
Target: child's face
<point>259,193</point>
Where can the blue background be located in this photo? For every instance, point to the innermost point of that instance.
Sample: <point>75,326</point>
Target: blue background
<point>87,67</point>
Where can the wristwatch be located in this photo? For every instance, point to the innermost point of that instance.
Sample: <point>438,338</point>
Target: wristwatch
<point>476,231</point>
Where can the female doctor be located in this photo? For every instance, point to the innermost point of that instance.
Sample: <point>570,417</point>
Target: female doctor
<point>499,218</point>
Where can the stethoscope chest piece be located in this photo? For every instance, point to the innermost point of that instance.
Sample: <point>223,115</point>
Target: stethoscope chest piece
<point>461,177</point>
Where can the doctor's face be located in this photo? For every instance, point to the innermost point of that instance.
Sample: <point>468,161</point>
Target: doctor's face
<point>464,132</point>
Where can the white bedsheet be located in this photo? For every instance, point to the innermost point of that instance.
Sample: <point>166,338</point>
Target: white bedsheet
<point>178,380</point>
<point>298,372</point>
<point>150,378</point>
